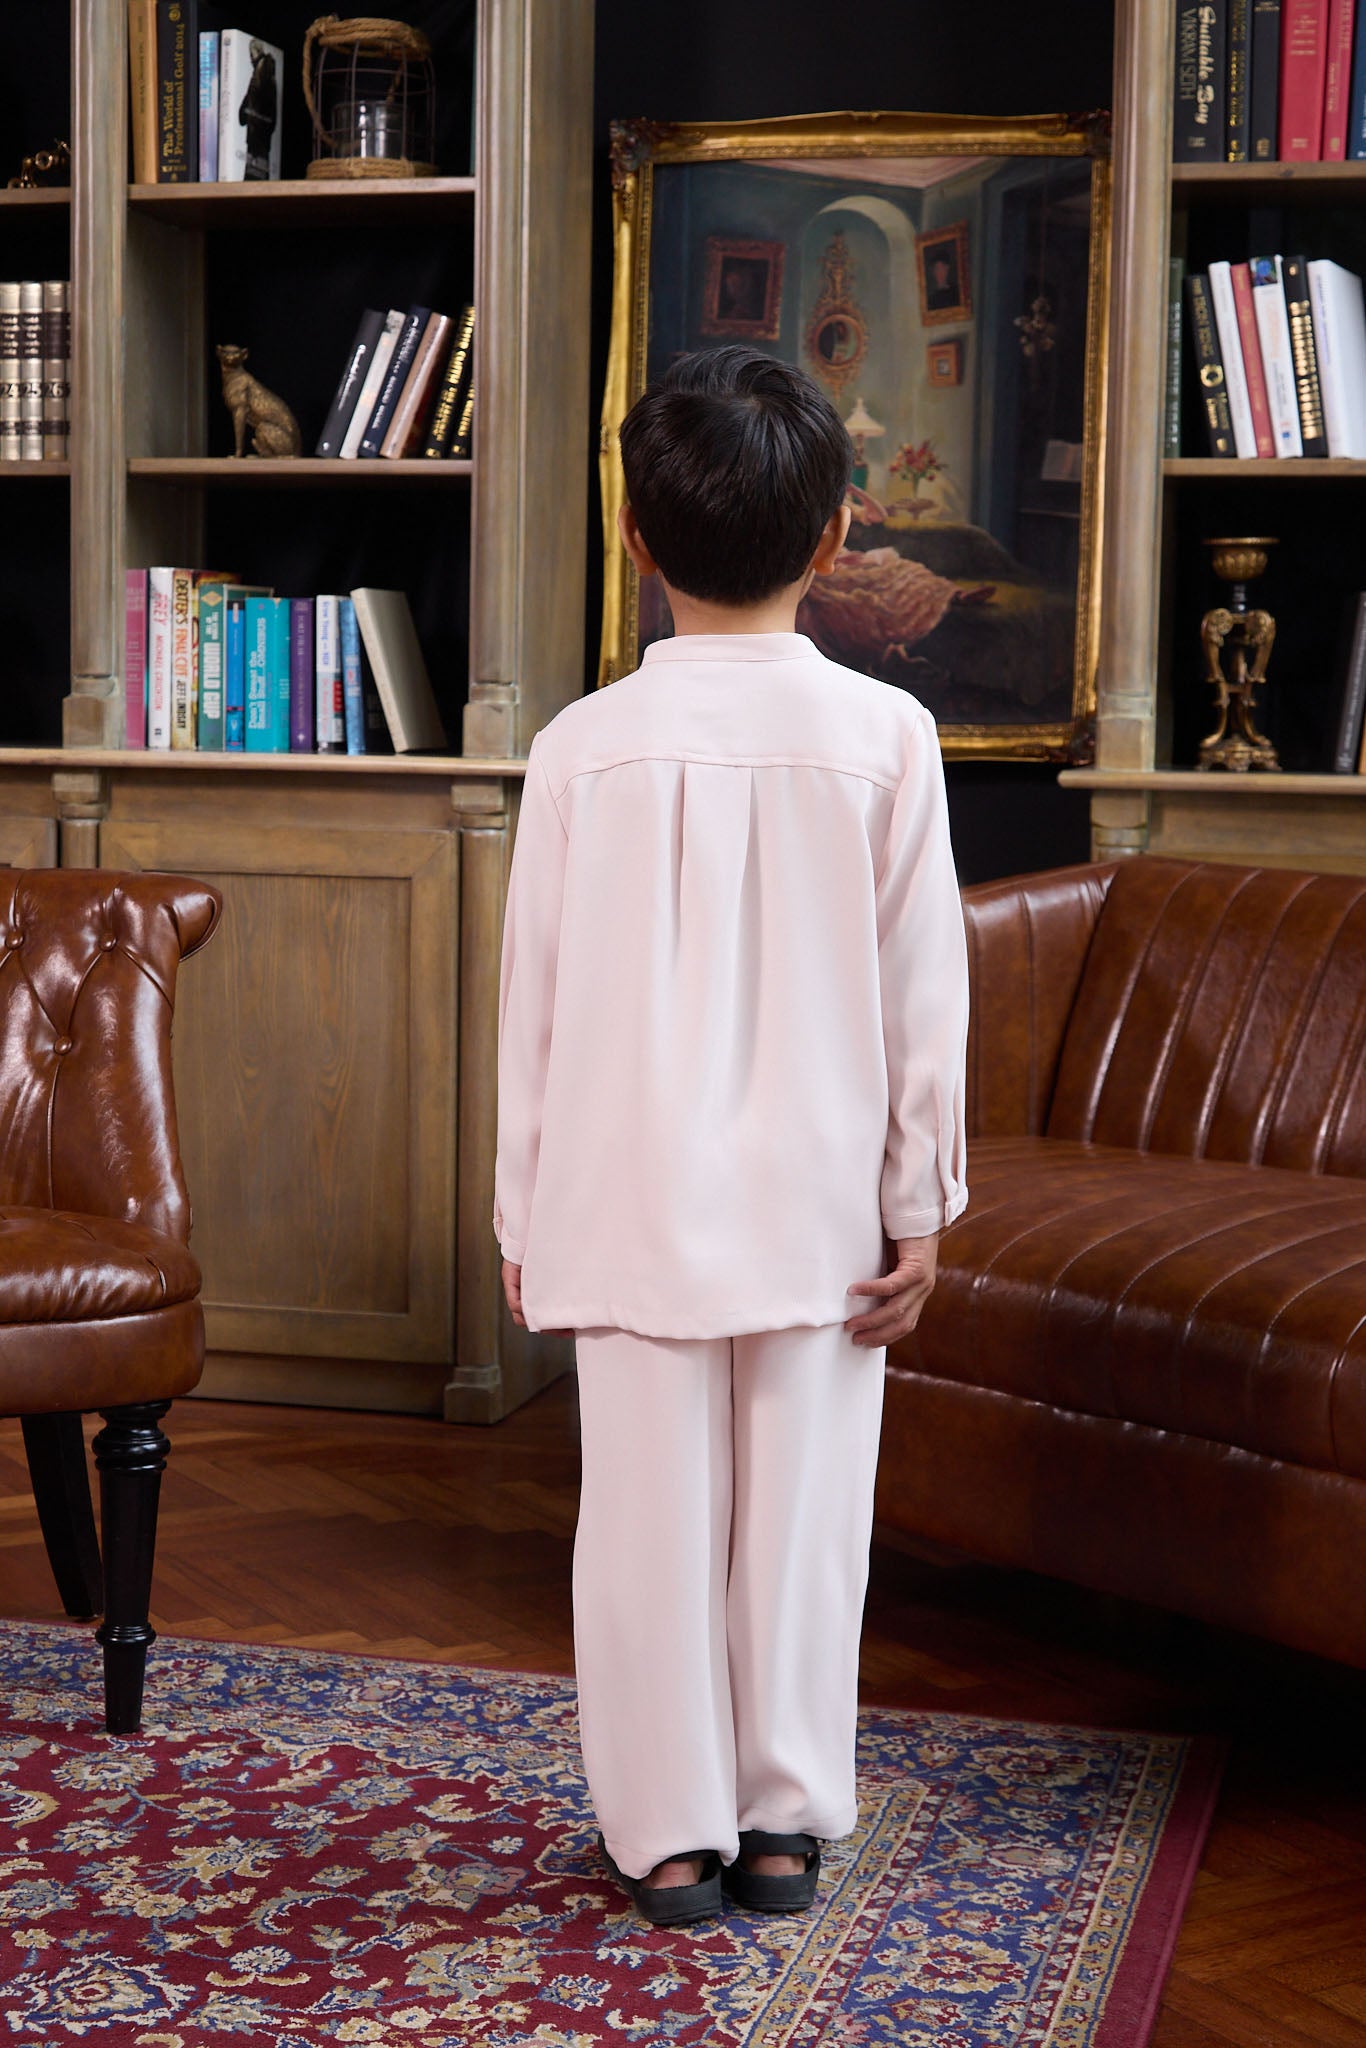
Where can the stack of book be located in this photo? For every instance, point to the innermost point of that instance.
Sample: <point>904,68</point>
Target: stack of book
<point>406,388</point>
<point>35,370</point>
<point>1270,81</point>
<point>213,663</point>
<point>205,104</point>
<point>1280,353</point>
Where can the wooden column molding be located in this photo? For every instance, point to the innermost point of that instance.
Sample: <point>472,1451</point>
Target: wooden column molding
<point>1134,422</point>
<point>82,796</point>
<point>92,715</point>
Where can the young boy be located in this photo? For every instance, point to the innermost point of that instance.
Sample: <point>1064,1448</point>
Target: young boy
<point>732,1032</point>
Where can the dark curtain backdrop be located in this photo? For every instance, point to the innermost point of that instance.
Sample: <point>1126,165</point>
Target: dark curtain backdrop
<point>734,60</point>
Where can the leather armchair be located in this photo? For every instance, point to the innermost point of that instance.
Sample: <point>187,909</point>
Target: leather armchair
<point>99,1294</point>
<point>1144,1364</point>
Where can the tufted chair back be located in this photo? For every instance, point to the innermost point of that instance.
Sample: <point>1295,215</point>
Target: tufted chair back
<point>88,966</point>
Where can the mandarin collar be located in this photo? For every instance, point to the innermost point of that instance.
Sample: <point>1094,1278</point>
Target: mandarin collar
<point>729,647</point>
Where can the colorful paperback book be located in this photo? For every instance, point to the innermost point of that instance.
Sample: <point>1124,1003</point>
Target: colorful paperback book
<point>329,729</point>
<point>1241,277</point>
<point>209,729</point>
<point>353,695</point>
<point>208,106</point>
<point>1231,352</point>
<point>301,676</point>
<point>267,665</point>
<point>235,668</point>
<point>135,658</point>
<point>373,384</point>
<point>182,658</point>
<point>159,581</point>
<point>1278,365</point>
<point>250,82</point>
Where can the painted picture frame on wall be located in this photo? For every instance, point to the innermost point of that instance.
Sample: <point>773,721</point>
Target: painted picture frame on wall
<point>842,242</point>
<point>742,295</point>
<point>944,363</point>
<point>941,266</point>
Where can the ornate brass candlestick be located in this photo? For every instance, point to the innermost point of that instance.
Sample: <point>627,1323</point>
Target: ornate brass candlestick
<point>1245,634</point>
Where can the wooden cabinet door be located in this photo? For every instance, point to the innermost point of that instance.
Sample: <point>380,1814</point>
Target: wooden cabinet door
<point>315,1072</point>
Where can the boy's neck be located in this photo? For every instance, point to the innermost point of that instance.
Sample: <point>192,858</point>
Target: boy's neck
<point>776,614</point>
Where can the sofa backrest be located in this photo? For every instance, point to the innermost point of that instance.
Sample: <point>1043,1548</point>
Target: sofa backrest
<point>1222,1014</point>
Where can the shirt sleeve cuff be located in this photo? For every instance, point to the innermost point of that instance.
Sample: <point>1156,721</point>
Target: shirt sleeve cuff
<point>924,1222</point>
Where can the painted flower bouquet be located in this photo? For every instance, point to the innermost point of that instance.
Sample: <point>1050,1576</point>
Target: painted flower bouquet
<point>917,463</point>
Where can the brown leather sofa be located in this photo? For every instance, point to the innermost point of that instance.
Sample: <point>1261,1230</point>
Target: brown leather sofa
<point>1143,1367</point>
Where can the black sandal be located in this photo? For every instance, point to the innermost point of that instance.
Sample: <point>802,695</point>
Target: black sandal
<point>673,1905</point>
<point>773,1894</point>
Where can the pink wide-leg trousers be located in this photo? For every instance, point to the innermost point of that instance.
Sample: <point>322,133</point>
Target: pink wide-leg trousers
<point>720,1568</point>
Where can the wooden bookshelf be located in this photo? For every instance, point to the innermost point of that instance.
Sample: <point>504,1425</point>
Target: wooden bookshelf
<point>336,1047</point>
<point>1153,702</point>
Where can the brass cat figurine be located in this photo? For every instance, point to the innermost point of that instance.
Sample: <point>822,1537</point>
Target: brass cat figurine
<point>274,429</point>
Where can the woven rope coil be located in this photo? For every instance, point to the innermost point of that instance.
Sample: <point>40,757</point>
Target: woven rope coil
<point>374,35</point>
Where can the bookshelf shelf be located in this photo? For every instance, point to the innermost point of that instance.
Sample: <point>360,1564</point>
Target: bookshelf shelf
<point>193,759</point>
<point>1270,469</point>
<point>1212,783</point>
<point>38,195</point>
<point>305,202</point>
<point>1267,184</point>
<point>256,472</point>
<point>48,469</point>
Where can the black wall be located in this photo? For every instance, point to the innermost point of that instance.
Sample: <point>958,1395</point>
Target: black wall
<point>736,60</point>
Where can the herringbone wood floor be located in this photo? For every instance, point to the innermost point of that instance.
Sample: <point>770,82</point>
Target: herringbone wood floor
<point>407,1538</point>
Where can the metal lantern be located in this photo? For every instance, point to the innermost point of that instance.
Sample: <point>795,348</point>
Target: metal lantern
<point>371,92</point>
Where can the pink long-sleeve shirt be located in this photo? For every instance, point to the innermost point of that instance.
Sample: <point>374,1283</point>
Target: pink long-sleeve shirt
<point>733,1000</point>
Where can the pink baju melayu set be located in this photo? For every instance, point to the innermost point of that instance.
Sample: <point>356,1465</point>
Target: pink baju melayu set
<point>732,1034</point>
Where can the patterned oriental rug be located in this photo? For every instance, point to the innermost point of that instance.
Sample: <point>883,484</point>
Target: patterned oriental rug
<point>305,1849</point>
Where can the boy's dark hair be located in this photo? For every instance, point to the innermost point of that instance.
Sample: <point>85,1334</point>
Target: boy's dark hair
<point>734,463</point>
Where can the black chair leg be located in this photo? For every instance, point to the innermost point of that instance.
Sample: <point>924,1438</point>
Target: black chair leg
<point>61,1492</point>
<point>130,1453</point>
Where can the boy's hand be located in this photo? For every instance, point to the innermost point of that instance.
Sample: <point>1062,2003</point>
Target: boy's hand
<point>904,1293</point>
<point>512,1288</point>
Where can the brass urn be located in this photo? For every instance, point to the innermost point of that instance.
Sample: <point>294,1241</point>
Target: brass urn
<point>1237,644</point>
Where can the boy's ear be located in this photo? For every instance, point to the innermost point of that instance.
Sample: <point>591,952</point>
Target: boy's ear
<point>641,559</point>
<point>831,541</point>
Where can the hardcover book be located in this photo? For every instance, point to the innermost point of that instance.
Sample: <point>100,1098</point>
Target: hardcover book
<point>177,91</point>
<point>159,581</point>
<point>208,106</point>
<point>1201,82</point>
<point>1278,367</point>
<point>56,330</point>
<point>1264,86</point>
<point>1351,674</point>
<point>1239,102</point>
<point>1209,367</point>
<point>209,720</point>
<point>301,677</point>
<point>353,695</point>
<point>1304,69</point>
<point>1339,314</point>
<point>463,444</point>
<point>267,663</point>
<point>376,371</point>
<point>1356,97</point>
<point>1337,83</point>
<point>349,386</point>
<point>250,77</point>
<point>31,371</point>
<point>235,597</point>
<point>408,422</point>
<point>1231,354</point>
<point>142,87</point>
<point>405,691</point>
<point>396,376</point>
<point>135,658</point>
<point>9,373</point>
<point>451,395</point>
<point>1313,440</point>
<point>1241,279</point>
<point>329,729</point>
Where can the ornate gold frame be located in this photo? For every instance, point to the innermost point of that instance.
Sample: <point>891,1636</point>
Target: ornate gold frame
<point>637,146</point>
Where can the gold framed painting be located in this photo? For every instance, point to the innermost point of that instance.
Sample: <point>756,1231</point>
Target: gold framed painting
<point>946,280</point>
